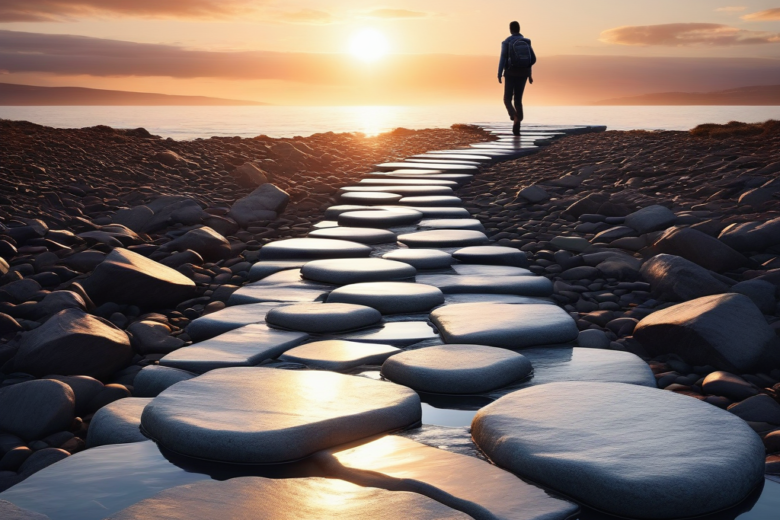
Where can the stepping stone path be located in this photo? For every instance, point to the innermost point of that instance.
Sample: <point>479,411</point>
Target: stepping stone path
<point>587,423</point>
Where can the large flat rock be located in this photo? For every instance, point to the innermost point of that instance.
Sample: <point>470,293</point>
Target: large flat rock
<point>673,278</point>
<point>444,238</point>
<point>228,319</point>
<point>283,499</point>
<point>456,369</point>
<point>323,318</point>
<point>452,223</point>
<point>504,325</point>
<point>313,249</point>
<point>406,191</point>
<point>458,481</point>
<point>381,218</point>
<point>624,449</point>
<point>438,166</point>
<point>117,423</point>
<point>290,293</point>
<point>491,255</point>
<point>266,415</point>
<point>338,355</point>
<point>399,333</point>
<point>342,272</point>
<point>361,235</point>
<point>489,283</point>
<point>390,297</point>
<point>421,258</point>
<point>369,198</point>
<point>245,346</point>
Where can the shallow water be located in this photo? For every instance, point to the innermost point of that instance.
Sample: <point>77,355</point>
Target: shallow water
<point>289,121</point>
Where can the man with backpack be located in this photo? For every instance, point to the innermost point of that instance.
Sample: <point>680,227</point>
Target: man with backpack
<point>517,58</point>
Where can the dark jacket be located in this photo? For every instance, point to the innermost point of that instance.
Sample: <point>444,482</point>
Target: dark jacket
<point>502,63</point>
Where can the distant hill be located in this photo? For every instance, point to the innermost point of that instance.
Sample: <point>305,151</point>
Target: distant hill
<point>27,95</point>
<point>764,95</point>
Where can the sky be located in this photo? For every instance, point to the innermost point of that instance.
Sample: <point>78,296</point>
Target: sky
<point>306,52</point>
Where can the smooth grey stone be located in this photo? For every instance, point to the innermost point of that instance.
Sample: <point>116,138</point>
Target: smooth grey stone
<point>127,277</point>
<point>287,277</point>
<point>460,178</point>
<point>456,369</point>
<point>333,212</point>
<point>260,270</point>
<point>406,191</point>
<point>576,244</point>
<point>469,484</point>
<point>245,346</point>
<point>372,198</point>
<point>228,319</point>
<point>728,385</point>
<point>342,272</point>
<point>312,249</point>
<point>504,325</point>
<point>452,223</point>
<point>651,218</point>
<point>324,224</point>
<point>761,292</point>
<point>534,194</point>
<point>751,236</point>
<point>9,511</point>
<point>390,297</point>
<point>264,203</point>
<point>435,212</point>
<point>34,409</point>
<point>387,181</point>
<point>281,499</point>
<point>613,233</point>
<point>267,415</point>
<point>444,161</point>
<point>519,285</point>
<point>41,459</point>
<point>323,318</point>
<point>400,333</point>
<point>117,423</point>
<point>433,200</point>
<point>438,166</point>
<point>84,388</point>
<point>339,355</point>
<point>490,270</point>
<point>443,238</point>
<point>725,331</point>
<point>421,258</point>
<point>700,248</point>
<point>379,218</point>
<point>759,408</point>
<point>361,235</point>
<point>153,379</point>
<point>557,364</point>
<point>639,449</point>
<point>153,337</point>
<point>453,156</point>
<point>87,485</point>
<point>277,293</point>
<point>449,299</point>
<point>491,255</point>
<point>674,279</point>
<point>209,244</point>
<point>592,338</point>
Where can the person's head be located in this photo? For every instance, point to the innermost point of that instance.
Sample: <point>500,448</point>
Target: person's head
<point>514,27</point>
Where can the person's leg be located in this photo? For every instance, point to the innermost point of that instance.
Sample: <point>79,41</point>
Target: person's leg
<point>509,90</point>
<point>519,89</point>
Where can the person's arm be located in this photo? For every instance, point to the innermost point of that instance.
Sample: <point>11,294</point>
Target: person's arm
<point>533,62</point>
<point>501,61</point>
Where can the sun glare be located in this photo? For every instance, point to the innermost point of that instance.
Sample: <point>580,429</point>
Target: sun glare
<point>369,45</point>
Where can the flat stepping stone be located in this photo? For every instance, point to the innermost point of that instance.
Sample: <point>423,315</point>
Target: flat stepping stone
<point>469,484</point>
<point>284,499</point>
<point>399,333</point>
<point>504,325</point>
<point>390,297</point>
<point>379,218</point>
<point>323,224</point>
<point>434,200</point>
<point>439,166</point>
<point>260,270</point>
<point>323,318</point>
<point>460,178</point>
<point>421,258</point>
<point>228,319</point>
<point>406,182</point>
<point>267,415</point>
<point>117,423</point>
<point>554,365</point>
<point>87,485</point>
<point>372,198</point>
<point>640,452</point>
<point>414,171</point>
<point>490,270</point>
<point>519,285</point>
<point>333,212</point>
<point>452,223</point>
<point>443,238</point>
<point>435,212</point>
<point>312,249</point>
<point>406,191</point>
<point>456,369</point>
<point>276,293</point>
<point>444,161</point>
<point>338,355</point>
<point>492,255</point>
<point>450,299</point>
<point>242,347</point>
<point>343,272</point>
<point>453,156</point>
<point>361,235</point>
<point>153,379</point>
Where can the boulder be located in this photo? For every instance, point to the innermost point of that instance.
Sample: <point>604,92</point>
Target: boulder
<point>533,194</point>
<point>152,337</point>
<point>651,218</point>
<point>264,203</point>
<point>84,388</point>
<point>249,175</point>
<point>205,241</point>
<point>761,292</point>
<point>725,331</point>
<point>752,236</point>
<point>135,218</point>
<point>117,423</point>
<point>758,408</point>
<point>173,210</point>
<point>673,278</point>
<point>728,385</point>
<point>74,343</point>
<point>127,277</point>
<point>700,248</point>
<point>34,409</point>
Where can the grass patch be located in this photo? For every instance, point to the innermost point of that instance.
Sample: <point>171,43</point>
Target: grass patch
<point>737,129</point>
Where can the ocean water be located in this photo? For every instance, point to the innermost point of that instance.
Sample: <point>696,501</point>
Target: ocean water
<point>290,121</point>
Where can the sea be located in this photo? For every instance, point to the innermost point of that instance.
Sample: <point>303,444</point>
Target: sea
<point>186,123</point>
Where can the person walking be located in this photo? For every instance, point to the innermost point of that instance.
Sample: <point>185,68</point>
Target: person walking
<point>515,65</point>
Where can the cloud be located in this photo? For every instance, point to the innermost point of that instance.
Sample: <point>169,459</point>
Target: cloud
<point>761,16</point>
<point>306,16</point>
<point>731,9</point>
<point>395,14</point>
<point>686,35</point>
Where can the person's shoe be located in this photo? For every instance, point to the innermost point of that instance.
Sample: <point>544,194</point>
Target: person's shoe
<point>516,128</point>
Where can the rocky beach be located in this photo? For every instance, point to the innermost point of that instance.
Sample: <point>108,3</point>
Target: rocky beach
<point>171,307</point>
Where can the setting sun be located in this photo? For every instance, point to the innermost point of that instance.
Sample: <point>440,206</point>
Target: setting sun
<point>369,45</point>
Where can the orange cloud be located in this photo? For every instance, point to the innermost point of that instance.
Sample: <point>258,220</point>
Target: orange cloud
<point>306,16</point>
<point>731,9</point>
<point>686,35</point>
<point>391,14</point>
<point>769,14</point>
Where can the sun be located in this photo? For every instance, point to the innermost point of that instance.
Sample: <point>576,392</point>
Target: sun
<point>369,45</point>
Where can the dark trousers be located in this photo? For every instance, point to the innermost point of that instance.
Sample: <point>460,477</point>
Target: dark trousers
<point>514,86</point>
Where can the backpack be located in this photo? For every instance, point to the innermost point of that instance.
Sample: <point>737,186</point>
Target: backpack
<point>520,56</point>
